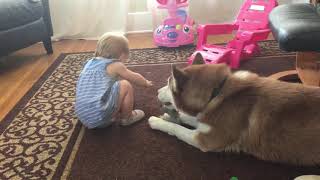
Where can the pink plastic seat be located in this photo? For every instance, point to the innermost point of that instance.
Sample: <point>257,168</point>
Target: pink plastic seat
<point>250,26</point>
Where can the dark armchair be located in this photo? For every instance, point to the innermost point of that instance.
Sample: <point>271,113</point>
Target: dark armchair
<point>23,23</point>
<point>296,27</point>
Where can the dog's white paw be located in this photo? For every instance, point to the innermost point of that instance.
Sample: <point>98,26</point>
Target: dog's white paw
<point>308,177</point>
<point>154,122</point>
<point>165,117</point>
<point>160,124</point>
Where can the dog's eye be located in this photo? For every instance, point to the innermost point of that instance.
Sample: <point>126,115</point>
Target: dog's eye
<point>167,103</point>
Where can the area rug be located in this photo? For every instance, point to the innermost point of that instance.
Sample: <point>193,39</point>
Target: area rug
<point>42,139</point>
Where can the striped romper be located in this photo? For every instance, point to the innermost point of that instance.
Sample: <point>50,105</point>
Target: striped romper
<point>96,94</point>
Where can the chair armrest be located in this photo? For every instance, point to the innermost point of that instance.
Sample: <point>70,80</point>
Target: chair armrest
<point>213,29</point>
<point>314,2</point>
<point>47,17</point>
<point>253,36</point>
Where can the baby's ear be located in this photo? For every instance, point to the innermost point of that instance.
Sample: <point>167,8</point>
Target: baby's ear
<point>198,59</point>
<point>180,78</point>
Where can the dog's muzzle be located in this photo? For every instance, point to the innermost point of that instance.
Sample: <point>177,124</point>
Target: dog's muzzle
<point>171,112</point>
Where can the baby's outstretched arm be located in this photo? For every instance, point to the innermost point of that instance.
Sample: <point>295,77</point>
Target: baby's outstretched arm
<point>121,70</point>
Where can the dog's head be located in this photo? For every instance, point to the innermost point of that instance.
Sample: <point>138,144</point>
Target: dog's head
<point>193,87</point>
<point>165,94</point>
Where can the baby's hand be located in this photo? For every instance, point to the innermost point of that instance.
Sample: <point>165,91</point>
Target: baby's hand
<point>149,83</point>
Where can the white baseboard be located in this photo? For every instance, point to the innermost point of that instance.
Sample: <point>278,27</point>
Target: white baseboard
<point>139,32</point>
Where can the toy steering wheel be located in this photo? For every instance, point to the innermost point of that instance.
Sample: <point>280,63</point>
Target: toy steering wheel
<point>164,2</point>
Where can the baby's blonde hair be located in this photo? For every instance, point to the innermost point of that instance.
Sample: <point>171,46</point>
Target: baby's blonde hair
<point>112,46</point>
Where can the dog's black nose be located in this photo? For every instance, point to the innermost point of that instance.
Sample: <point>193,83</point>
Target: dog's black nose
<point>167,103</point>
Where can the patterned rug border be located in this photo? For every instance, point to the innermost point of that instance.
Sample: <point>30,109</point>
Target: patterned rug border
<point>188,46</point>
<point>25,99</point>
<point>134,49</point>
<point>137,49</point>
<point>31,92</point>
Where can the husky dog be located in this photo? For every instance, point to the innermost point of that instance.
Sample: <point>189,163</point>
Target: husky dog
<point>242,112</point>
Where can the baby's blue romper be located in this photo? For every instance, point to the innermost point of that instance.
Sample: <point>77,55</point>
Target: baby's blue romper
<point>96,94</point>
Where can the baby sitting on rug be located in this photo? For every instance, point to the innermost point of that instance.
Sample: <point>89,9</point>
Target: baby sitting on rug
<point>104,92</point>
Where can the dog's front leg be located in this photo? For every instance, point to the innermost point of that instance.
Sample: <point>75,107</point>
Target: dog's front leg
<point>189,120</point>
<point>167,117</point>
<point>182,133</point>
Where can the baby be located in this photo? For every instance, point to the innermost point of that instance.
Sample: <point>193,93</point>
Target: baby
<point>104,91</point>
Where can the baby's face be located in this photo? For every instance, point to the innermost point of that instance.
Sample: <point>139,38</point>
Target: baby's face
<point>124,57</point>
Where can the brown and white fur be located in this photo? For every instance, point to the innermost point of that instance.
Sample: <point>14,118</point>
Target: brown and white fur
<point>270,119</point>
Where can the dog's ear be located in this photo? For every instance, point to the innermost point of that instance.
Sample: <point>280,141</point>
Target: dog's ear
<point>198,59</point>
<point>179,78</point>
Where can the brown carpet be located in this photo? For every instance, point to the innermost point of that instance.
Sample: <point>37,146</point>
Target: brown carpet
<point>42,139</point>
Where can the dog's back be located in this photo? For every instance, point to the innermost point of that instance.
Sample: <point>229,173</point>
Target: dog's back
<point>284,122</point>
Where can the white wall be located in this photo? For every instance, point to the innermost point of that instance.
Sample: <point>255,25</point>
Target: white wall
<point>90,18</point>
<point>87,19</point>
<point>217,11</point>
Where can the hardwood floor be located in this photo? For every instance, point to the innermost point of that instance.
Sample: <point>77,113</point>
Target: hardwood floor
<point>20,70</point>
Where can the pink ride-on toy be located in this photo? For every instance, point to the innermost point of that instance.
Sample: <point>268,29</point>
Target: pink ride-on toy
<point>251,26</point>
<point>176,29</point>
